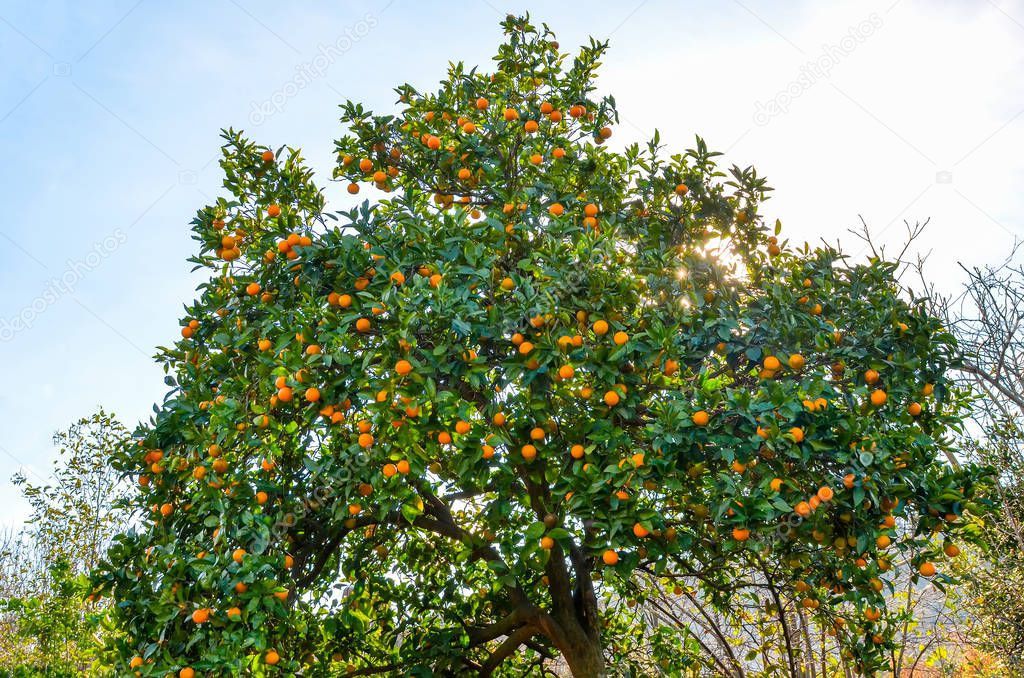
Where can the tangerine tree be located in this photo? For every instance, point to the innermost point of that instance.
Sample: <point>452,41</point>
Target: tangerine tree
<point>452,429</point>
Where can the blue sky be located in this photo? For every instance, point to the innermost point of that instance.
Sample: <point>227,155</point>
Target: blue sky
<point>110,114</point>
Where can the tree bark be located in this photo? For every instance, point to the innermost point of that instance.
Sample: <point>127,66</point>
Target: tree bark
<point>578,641</point>
<point>586,660</point>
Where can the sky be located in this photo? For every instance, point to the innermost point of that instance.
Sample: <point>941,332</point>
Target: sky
<point>110,115</point>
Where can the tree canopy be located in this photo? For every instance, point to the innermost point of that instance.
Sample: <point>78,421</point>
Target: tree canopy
<point>454,428</point>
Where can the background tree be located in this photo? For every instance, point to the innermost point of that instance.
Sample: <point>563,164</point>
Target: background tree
<point>444,434</point>
<point>987,317</point>
<point>48,626</point>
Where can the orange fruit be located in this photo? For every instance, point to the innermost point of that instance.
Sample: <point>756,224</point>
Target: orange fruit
<point>772,363</point>
<point>927,569</point>
<point>403,367</point>
<point>803,509</point>
<point>462,427</point>
<point>201,616</point>
<point>403,467</point>
<point>776,484</point>
<point>272,657</point>
<point>701,418</point>
<point>914,409</point>
<point>529,452</point>
<point>611,398</point>
<point>566,371</point>
<point>312,394</point>
<point>530,126</point>
<point>620,338</point>
<point>273,211</point>
<point>610,557</point>
<point>871,376</point>
<point>797,361</point>
<point>600,327</point>
<point>238,555</point>
<point>878,397</point>
<point>547,543</point>
<point>482,103</point>
<point>577,451</point>
<point>740,533</point>
<point>556,210</point>
<point>825,493</point>
<point>363,325</point>
<point>883,541</point>
<point>797,433</point>
<point>365,440</point>
<point>511,114</point>
<point>640,531</point>
<point>951,550</point>
<point>682,189</point>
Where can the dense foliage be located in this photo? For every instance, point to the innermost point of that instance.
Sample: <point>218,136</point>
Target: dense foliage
<point>448,430</point>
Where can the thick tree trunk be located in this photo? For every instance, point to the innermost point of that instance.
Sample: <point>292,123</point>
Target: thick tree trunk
<point>585,659</point>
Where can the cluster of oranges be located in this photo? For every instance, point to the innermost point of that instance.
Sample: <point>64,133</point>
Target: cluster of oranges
<point>287,245</point>
<point>447,133</point>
